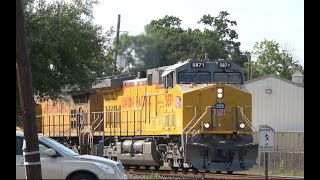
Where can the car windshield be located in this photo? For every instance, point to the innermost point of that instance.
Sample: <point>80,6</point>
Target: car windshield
<point>59,146</point>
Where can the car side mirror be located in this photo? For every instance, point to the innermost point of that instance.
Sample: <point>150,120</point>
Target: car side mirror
<point>51,153</point>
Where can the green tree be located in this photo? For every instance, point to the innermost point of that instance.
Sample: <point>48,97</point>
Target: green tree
<point>164,42</point>
<point>165,35</point>
<point>272,59</point>
<point>225,36</point>
<point>65,49</point>
<point>141,51</point>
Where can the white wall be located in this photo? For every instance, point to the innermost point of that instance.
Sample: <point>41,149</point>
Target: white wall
<point>283,109</point>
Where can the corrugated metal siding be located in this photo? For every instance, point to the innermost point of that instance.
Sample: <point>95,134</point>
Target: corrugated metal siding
<point>283,109</point>
<point>286,141</point>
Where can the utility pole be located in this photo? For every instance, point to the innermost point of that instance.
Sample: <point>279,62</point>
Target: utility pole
<point>249,66</point>
<point>31,151</point>
<point>117,45</point>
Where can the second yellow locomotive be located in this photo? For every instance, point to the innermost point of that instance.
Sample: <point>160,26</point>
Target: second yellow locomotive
<point>191,115</point>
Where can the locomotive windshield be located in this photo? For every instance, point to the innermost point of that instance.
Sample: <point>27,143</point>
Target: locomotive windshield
<point>194,77</point>
<point>230,77</point>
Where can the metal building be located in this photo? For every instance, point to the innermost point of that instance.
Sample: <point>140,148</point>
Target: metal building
<point>279,103</point>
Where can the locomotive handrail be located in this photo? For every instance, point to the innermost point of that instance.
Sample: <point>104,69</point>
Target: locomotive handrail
<point>182,139</point>
<point>96,125</point>
<point>194,132</point>
<point>155,94</point>
<point>90,136</point>
<point>246,119</point>
<point>58,115</point>
<point>91,130</point>
<point>102,112</point>
<point>198,120</point>
<point>183,145</point>
<point>195,114</point>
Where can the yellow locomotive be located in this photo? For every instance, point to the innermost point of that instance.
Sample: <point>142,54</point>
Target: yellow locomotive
<point>191,115</point>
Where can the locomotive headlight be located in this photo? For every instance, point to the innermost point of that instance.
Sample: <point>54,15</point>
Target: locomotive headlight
<point>219,93</point>
<point>206,125</point>
<point>242,125</point>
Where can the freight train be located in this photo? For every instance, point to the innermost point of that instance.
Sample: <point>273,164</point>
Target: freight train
<point>190,115</point>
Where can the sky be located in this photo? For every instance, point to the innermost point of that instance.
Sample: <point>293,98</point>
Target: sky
<point>278,20</point>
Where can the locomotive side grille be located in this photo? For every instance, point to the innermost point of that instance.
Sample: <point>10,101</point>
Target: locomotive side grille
<point>172,120</point>
<point>166,120</point>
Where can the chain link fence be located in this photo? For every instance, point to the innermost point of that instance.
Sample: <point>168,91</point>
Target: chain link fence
<point>281,163</point>
<point>288,158</point>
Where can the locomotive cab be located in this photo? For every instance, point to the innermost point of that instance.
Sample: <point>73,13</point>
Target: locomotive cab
<point>202,72</point>
<point>215,109</point>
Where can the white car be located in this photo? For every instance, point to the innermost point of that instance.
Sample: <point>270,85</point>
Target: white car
<point>60,162</point>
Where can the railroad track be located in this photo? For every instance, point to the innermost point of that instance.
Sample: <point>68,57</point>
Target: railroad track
<point>204,175</point>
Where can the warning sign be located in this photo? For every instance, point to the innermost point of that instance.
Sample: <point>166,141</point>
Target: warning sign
<point>266,138</point>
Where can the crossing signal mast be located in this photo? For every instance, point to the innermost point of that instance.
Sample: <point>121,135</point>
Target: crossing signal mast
<point>89,18</point>
<point>117,45</point>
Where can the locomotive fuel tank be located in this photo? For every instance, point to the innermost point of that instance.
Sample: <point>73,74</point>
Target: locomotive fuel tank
<point>129,152</point>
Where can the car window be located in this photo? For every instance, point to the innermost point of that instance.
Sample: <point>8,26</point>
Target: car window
<point>42,149</point>
<point>19,144</point>
<point>59,146</point>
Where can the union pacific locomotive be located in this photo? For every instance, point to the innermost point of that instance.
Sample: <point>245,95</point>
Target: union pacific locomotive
<point>191,115</point>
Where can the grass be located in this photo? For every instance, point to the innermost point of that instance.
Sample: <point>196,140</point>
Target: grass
<point>277,172</point>
<point>293,173</point>
<point>153,176</point>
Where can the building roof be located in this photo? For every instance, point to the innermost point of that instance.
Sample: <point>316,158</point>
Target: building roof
<point>275,76</point>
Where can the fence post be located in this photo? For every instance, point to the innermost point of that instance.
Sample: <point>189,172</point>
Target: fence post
<point>274,161</point>
<point>285,161</point>
<point>300,161</point>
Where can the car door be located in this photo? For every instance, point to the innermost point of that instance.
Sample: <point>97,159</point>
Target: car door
<point>50,166</point>
<point>20,169</point>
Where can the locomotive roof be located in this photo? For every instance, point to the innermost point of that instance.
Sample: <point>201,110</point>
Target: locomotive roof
<point>213,64</point>
<point>118,80</point>
<point>172,68</point>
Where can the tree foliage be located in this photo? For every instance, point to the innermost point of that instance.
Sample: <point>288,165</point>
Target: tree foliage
<point>65,49</point>
<point>272,59</point>
<point>164,42</point>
